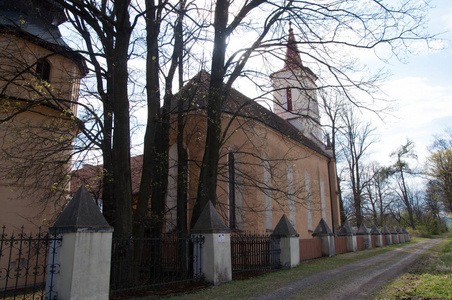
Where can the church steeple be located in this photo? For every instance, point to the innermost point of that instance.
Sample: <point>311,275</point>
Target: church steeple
<point>292,60</point>
<point>296,92</point>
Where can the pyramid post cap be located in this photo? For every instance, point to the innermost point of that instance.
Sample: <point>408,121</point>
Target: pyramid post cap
<point>392,230</point>
<point>374,230</point>
<point>81,214</point>
<point>284,228</point>
<point>210,221</point>
<point>346,230</point>
<point>385,230</point>
<point>363,230</point>
<point>322,229</point>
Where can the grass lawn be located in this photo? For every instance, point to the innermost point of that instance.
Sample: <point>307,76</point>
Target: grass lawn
<point>429,278</point>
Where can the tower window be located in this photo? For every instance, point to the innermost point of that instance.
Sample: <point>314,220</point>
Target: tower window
<point>43,70</point>
<point>289,98</point>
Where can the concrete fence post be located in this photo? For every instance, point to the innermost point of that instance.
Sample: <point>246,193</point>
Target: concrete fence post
<point>84,257</point>
<point>364,232</point>
<point>394,235</point>
<point>387,235</point>
<point>407,235</point>
<point>216,265</point>
<point>324,233</point>
<point>289,243</point>
<point>378,236</point>
<point>347,231</point>
<point>400,234</point>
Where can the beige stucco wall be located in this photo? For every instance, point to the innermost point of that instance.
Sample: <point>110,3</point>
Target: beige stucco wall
<point>252,141</point>
<point>35,149</point>
<point>36,133</point>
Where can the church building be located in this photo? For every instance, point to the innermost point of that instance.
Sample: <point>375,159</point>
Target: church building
<point>271,163</point>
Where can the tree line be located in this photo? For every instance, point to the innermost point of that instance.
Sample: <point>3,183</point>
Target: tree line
<point>402,193</point>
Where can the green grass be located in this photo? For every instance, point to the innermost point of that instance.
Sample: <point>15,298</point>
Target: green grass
<point>430,277</point>
<point>244,289</point>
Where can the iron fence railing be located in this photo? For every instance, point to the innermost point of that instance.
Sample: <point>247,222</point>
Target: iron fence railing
<point>254,252</point>
<point>143,264</point>
<point>25,262</point>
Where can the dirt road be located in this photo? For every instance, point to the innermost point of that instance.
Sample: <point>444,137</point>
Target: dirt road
<point>357,280</point>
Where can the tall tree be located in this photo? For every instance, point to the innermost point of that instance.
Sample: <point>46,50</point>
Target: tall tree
<point>333,107</point>
<point>357,138</point>
<point>439,168</point>
<point>218,92</point>
<point>401,170</point>
<point>377,192</point>
<point>108,26</point>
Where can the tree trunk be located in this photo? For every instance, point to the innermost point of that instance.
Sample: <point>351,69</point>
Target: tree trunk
<point>207,185</point>
<point>153,104</point>
<point>121,133</point>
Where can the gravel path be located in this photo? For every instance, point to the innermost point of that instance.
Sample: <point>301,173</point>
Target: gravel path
<point>357,280</point>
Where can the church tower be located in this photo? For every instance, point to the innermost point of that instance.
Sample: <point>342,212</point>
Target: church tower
<point>295,93</point>
<point>39,83</point>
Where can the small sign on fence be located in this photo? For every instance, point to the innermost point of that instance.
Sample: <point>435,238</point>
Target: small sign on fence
<point>221,238</point>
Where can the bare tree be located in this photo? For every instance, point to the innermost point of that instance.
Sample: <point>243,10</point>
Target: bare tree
<point>401,170</point>
<point>333,107</point>
<point>357,138</point>
<point>378,196</point>
<point>106,30</point>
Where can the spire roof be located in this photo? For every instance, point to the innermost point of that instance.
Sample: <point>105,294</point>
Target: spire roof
<point>292,60</point>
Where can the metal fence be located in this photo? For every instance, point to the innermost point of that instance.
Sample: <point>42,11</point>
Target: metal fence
<point>25,261</point>
<point>144,264</point>
<point>254,252</point>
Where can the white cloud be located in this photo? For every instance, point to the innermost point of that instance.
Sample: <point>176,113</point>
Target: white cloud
<point>424,109</point>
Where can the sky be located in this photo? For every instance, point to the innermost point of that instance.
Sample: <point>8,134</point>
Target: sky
<point>422,90</point>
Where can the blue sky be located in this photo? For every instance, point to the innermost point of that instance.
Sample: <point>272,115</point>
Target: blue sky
<point>422,90</point>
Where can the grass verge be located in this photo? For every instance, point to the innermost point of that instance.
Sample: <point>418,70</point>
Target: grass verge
<point>252,287</point>
<point>430,277</point>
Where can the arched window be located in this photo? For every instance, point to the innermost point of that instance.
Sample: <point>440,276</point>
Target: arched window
<point>43,70</point>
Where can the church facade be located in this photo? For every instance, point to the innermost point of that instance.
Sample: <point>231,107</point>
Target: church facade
<point>271,163</point>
